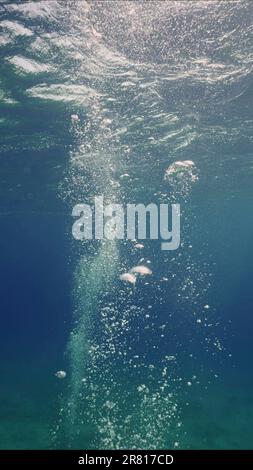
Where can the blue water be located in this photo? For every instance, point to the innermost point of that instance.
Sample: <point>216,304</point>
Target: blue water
<point>99,98</point>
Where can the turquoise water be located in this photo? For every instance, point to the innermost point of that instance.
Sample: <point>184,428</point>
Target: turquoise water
<point>102,98</point>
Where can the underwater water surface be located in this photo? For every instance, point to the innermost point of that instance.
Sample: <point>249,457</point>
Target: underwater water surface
<point>102,98</point>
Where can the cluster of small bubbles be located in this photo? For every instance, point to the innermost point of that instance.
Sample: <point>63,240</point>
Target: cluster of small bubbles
<point>118,339</point>
<point>180,176</point>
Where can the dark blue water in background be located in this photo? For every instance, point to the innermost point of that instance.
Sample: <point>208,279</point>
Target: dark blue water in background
<point>151,84</point>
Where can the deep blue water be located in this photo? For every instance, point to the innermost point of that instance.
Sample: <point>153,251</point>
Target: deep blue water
<point>167,363</point>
